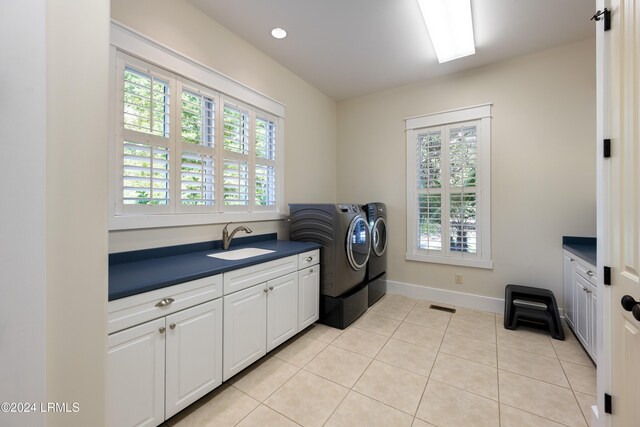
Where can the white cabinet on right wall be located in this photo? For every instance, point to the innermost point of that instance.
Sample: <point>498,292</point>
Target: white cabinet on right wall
<point>580,300</point>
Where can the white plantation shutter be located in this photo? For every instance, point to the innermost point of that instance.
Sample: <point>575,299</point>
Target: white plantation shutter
<point>236,183</point>
<point>145,175</point>
<point>235,174</point>
<point>197,186</point>
<point>463,169</point>
<point>429,189</point>
<point>197,149</point>
<point>265,169</point>
<point>183,148</point>
<point>448,184</point>
<point>146,145</point>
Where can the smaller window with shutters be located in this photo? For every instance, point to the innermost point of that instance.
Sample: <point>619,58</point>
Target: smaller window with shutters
<point>448,187</point>
<point>184,148</point>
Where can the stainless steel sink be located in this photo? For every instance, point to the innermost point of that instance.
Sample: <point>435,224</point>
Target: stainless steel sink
<point>240,254</point>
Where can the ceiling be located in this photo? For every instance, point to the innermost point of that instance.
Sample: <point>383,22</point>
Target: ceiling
<point>348,48</point>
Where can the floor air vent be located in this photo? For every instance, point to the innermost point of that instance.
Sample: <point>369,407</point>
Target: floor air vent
<point>441,308</point>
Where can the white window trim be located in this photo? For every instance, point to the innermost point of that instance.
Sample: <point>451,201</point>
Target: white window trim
<point>481,113</point>
<point>133,43</point>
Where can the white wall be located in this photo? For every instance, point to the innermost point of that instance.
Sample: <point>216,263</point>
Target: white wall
<point>310,123</point>
<point>22,178</point>
<point>543,163</point>
<point>77,43</point>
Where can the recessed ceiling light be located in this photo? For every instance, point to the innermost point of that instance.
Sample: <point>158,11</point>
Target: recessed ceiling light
<point>278,33</point>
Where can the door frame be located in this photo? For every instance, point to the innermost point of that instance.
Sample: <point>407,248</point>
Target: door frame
<point>603,215</point>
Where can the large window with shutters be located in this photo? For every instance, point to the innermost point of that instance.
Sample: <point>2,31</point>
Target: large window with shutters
<point>448,187</point>
<point>183,149</point>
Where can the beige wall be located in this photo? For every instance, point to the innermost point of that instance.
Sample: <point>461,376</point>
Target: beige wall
<point>310,123</point>
<point>542,155</point>
<point>77,49</point>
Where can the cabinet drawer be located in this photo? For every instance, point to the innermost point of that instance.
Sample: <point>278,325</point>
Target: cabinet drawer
<point>244,278</point>
<point>307,259</point>
<point>136,309</point>
<point>587,271</point>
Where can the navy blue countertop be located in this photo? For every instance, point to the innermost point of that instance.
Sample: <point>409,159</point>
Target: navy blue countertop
<point>136,272</point>
<point>582,247</point>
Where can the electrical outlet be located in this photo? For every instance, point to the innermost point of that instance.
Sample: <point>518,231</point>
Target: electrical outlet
<point>458,279</point>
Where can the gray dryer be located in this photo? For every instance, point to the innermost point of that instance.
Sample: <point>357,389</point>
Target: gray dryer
<point>345,239</point>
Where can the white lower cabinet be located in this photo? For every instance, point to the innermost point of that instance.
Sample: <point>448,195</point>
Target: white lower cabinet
<point>580,300</point>
<point>260,318</point>
<point>308,296</point>
<point>160,367</point>
<point>583,309</point>
<point>569,288</point>
<point>282,310</point>
<point>169,347</point>
<point>245,333</point>
<point>257,320</point>
<point>193,355</point>
<point>135,380</point>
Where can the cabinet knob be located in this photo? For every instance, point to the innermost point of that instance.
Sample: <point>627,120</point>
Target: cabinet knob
<point>172,326</point>
<point>270,288</point>
<point>629,304</point>
<point>265,290</point>
<point>164,302</point>
<point>162,329</point>
<point>309,259</point>
<point>311,270</point>
<point>590,273</point>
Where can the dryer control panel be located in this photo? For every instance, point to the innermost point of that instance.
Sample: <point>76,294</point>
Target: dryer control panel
<point>350,208</point>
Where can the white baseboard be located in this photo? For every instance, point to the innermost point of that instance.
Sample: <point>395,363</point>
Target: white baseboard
<point>460,299</point>
<point>445,296</point>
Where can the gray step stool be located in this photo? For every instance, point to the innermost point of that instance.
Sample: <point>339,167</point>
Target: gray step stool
<point>528,304</point>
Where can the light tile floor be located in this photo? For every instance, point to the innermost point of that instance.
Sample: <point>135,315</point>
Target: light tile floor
<point>403,364</point>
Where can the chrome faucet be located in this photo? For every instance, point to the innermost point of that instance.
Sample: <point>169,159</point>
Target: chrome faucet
<point>226,237</point>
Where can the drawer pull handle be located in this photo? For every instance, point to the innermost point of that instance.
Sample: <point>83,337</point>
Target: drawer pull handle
<point>309,259</point>
<point>161,330</point>
<point>590,273</point>
<point>164,302</point>
<point>172,326</point>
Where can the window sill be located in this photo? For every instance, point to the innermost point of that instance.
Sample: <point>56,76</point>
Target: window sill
<point>132,222</point>
<point>462,262</point>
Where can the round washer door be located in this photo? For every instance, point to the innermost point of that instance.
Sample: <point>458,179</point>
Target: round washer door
<point>379,236</point>
<point>358,243</point>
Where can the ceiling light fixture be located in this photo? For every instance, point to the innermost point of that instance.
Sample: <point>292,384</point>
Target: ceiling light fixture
<point>450,27</point>
<point>278,33</point>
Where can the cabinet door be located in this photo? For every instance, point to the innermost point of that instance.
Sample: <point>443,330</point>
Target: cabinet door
<point>593,323</point>
<point>308,296</point>
<point>582,310</point>
<point>282,309</point>
<point>245,332</point>
<point>569,289</point>
<point>135,376</point>
<point>193,355</point>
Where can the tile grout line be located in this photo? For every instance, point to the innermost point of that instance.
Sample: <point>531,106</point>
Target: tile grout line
<point>571,388</point>
<point>350,389</point>
<point>415,415</point>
